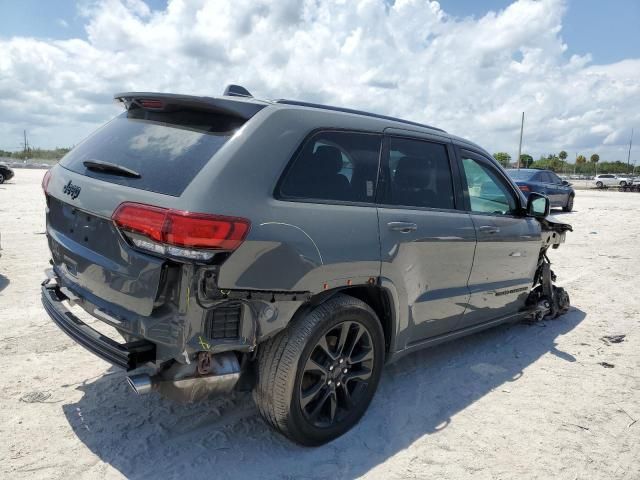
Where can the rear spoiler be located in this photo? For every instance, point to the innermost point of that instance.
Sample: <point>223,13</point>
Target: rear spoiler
<point>240,108</point>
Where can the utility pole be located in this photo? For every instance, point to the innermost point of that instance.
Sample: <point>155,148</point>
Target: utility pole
<point>520,146</point>
<point>629,154</point>
<point>25,144</point>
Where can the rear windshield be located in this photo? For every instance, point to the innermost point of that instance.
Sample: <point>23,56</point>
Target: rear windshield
<point>167,149</point>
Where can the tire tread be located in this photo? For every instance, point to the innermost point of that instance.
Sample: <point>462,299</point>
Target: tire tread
<point>278,357</point>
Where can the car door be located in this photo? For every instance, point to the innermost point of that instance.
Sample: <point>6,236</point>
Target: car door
<point>427,245</point>
<point>508,243</point>
<point>561,191</point>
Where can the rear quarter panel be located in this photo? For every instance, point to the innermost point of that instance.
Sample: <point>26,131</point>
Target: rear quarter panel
<point>292,245</point>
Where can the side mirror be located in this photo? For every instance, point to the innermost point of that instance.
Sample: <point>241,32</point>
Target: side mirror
<point>565,183</point>
<point>538,205</point>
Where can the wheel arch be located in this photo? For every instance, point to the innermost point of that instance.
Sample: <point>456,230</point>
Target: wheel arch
<point>380,299</point>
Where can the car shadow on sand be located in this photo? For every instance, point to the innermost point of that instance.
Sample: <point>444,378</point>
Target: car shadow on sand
<point>226,438</point>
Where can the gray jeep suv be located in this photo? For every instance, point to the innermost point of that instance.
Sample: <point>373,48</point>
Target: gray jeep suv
<point>285,247</point>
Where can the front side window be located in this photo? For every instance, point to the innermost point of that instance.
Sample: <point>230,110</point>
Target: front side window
<point>555,178</point>
<point>545,177</point>
<point>487,192</point>
<point>419,173</point>
<point>340,166</point>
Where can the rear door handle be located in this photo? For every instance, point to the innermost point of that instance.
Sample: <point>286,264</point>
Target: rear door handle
<point>490,229</point>
<point>403,227</point>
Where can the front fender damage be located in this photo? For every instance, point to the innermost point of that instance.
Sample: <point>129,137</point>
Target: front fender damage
<point>547,299</point>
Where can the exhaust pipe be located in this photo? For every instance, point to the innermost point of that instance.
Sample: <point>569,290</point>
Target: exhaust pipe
<point>184,384</point>
<point>141,384</point>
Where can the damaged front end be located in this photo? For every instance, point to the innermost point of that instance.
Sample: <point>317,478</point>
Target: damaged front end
<point>547,299</point>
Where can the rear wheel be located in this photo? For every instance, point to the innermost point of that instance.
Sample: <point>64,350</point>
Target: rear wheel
<point>599,184</point>
<point>1,178</point>
<point>623,183</point>
<point>317,378</point>
<point>569,206</point>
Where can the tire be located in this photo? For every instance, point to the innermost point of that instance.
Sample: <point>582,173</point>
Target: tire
<point>1,178</point>
<point>569,206</point>
<point>623,184</point>
<point>561,301</point>
<point>285,367</point>
<point>599,184</point>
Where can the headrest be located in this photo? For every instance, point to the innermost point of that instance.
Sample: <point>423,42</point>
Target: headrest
<point>413,172</point>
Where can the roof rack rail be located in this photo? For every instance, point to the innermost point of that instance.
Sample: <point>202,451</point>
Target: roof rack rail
<point>356,112</point>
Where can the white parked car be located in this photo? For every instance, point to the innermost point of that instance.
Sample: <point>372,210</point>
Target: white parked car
<point>611,180</point>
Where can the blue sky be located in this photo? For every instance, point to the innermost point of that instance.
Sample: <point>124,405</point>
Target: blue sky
<point>572,65</point>
<point>608,30</point>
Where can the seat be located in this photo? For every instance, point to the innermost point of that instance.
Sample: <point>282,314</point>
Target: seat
<point>324,175</point>
<point>411,183</point>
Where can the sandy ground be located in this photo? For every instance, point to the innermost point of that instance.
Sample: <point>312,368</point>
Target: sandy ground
<point>518,401</point>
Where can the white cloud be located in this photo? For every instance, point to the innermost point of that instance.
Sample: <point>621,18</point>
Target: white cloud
<point>470,76</point>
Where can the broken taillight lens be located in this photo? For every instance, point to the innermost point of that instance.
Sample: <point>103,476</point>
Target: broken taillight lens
<point>178,233</point>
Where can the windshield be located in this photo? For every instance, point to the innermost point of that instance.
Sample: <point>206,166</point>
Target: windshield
<point>167,149</point>
<point>522,174</point>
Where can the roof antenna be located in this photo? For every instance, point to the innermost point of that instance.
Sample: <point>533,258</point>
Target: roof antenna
<point>236,91</point>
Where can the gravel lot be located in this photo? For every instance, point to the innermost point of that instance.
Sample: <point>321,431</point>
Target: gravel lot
<point>551,400</point>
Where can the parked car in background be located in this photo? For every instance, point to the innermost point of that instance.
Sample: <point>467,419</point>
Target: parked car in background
<point>6,173</point>
<point>559,191</point>
<point>611,180</point>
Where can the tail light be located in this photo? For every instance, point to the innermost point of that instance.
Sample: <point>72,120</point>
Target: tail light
<point>45,181</point>
<point>524,188</point>
<point>196,236</point>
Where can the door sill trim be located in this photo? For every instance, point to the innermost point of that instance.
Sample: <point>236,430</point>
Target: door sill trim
<point>445,337</point>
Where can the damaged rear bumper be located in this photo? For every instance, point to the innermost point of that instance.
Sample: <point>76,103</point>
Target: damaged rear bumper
<point>128,355</point>
<point>193,381</point>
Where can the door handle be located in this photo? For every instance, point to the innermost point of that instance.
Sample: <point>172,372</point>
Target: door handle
<point>490,229</point>
<point>403,227</point>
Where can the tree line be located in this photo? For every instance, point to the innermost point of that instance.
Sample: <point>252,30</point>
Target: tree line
<point>559,164</point>
<point>36,153</point>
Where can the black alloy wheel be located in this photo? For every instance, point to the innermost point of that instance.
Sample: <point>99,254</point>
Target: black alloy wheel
<point>336,374</point>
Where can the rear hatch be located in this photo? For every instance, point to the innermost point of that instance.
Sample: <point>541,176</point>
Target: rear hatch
<point>147,155</point>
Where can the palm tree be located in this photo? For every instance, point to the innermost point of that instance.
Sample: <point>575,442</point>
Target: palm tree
<point>563,157</point>
<point>595,158</point>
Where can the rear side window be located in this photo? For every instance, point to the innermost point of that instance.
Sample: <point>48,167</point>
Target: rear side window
<point>420,174</point>
<point>167,149</point>
<point>340,166</point>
